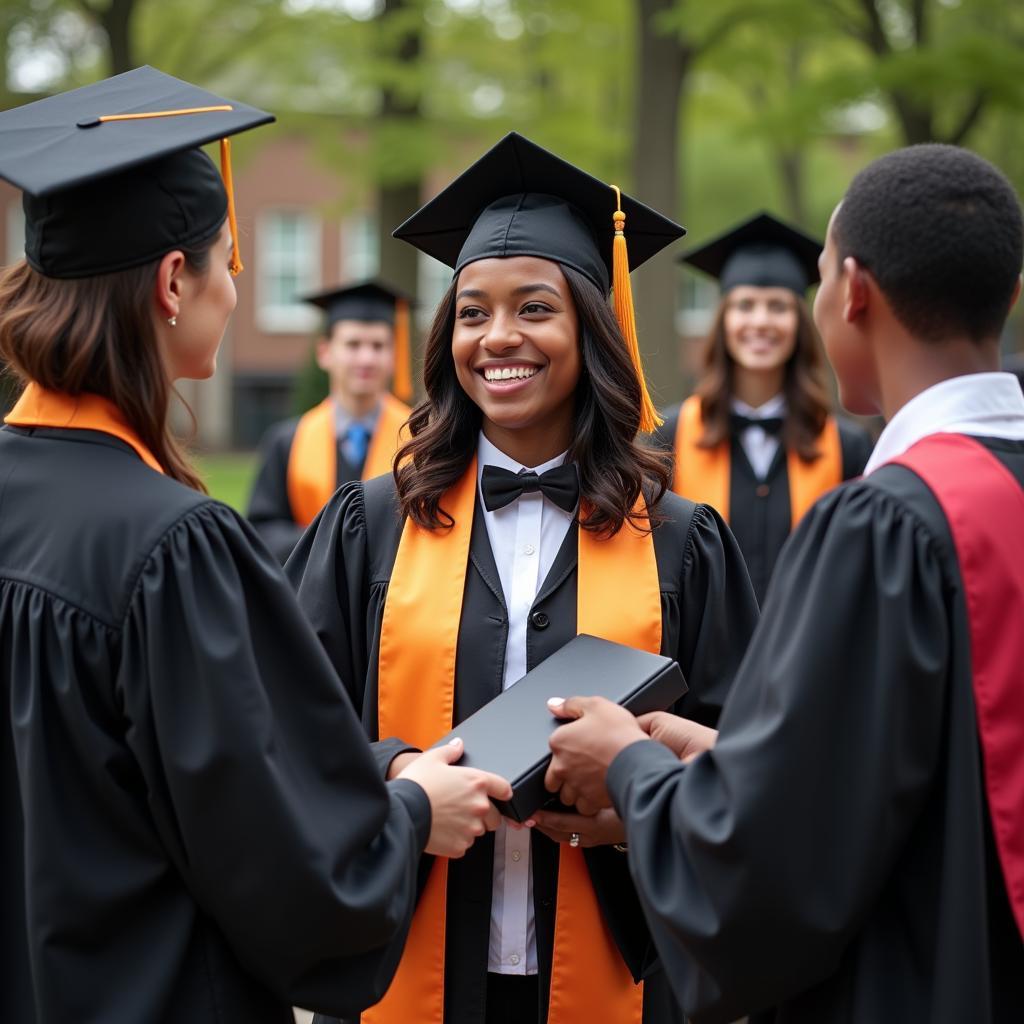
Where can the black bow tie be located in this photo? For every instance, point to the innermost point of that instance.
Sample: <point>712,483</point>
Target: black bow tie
<point>560,485</point>
<point>770,424</point>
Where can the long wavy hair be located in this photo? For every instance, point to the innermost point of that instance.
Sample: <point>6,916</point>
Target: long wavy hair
<point>808,400</point>
<point>96,334</point>
<point>614,468</point>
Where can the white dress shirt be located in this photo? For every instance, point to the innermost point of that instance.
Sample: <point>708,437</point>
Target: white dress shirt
<point>525,536</point>
<point>758,445</point>
<point>979,404</point>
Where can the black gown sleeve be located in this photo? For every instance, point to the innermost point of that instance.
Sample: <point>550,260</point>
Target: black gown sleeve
<point>257,776</point>
<point>331,572</point>
<point>718,613</point>
<point>756,862</point>
<point>269,509</point>
<point>856,445</point>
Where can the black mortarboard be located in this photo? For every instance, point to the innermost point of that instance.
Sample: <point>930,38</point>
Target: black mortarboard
<point>111,173</point>
<point>520,200</point>
<point>762,251</point>
<point>368,300</point>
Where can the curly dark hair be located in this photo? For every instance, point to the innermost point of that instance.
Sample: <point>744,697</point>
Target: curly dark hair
<point>614,467</point>
<point>808,400</point>
<point>940,230</point>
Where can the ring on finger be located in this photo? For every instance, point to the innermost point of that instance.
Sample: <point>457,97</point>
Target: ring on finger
<point>574,839</point>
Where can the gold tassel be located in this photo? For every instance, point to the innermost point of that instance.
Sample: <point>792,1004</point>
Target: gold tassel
<point>622,293</point>
<point>225,172</point>
<point>402,383</point>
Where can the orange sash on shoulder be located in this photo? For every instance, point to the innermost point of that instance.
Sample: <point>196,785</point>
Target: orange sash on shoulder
<point>313,459</point>
<point>619,598</point>
<point>703,474</point>
<point>38,407</point>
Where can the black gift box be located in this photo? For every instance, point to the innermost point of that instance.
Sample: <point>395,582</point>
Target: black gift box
<point>509,736</point>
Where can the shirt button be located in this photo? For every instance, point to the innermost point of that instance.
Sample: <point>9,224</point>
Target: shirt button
<point>540,620</point>
<point>514,959</point>
<point>762,491</point>
<point>516,855</point>
<point>529,549</point>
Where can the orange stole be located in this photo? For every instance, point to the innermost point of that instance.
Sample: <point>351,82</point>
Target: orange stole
<point>702,474</point>
<point>619,598</point>
<point>38,407</point>
<point>313,459</point>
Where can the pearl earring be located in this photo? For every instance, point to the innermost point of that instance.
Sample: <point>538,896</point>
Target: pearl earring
<point>173,320</point>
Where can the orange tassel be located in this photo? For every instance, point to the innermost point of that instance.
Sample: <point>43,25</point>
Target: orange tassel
<point>622,293</point>
<point>402,383</point>
<point>225,172</point>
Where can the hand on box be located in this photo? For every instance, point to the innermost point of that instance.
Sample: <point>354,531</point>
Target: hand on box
<point>583,749</point>
<point>602,829</point>
<point>460,799</point>
<point>684,738</point>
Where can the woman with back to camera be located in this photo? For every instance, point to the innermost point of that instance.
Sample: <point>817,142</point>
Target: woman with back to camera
<point>758,439</point>
<point>524,511</point>
<point>194,826</point>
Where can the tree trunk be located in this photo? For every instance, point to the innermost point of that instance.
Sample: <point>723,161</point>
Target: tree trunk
<point>116,21</point>
<point>661,68</point>
<point>399,261</point>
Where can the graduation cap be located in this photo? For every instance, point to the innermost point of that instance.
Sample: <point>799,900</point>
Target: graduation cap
<point>372,301</point>
<point>763,252</point>
<point>112,174</point>
<point>519,199</point>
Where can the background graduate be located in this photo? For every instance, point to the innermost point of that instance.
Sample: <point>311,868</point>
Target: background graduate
<point>852,848</point>
<point>757,440</point>
<point>353,433</point>
<point>526,511</point>
<point>194,827</point>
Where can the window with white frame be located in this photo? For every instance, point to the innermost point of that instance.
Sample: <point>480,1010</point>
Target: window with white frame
<point>14,243</point>
<point>360,247</point>
<point>700,297</point>
<point>289,248</point>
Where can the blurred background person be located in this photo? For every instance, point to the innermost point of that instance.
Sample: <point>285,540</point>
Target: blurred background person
<point>352,434</point>
<point>758,439</point>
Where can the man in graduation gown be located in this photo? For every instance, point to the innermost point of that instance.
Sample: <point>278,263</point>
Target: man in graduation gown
<point>353,433</point>
<point>852,847</point>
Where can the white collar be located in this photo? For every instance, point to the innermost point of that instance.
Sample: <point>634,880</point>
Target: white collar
<point>980,404</point>
<point>773,407</point>
<point>489,455</point>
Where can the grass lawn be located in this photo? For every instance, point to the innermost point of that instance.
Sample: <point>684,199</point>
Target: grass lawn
<point>229,475</point>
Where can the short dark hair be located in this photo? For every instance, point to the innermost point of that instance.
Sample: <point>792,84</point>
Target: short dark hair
<point>940,230</point>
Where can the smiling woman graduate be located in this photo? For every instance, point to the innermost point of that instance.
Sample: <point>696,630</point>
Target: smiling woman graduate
<point>758,440</point>
<point>524,510</point>
<point>194,828</point>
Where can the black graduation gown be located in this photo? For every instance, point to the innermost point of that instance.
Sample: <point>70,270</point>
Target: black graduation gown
<point>269,510</point>
<point>206,834</point>
<point>759,511</point>
<point>341,570</point>
<point>833,856</point>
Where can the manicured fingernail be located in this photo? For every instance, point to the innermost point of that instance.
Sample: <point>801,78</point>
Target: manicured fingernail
<point>529,823</point>
<point>555,702</point>
<point>454,740</point>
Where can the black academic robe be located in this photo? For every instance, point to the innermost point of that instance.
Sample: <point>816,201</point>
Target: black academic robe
<point>833,855</point>
<point>760,516</point>
<point>269,510</point>
<point>341,570</point>
<point>206,836</point>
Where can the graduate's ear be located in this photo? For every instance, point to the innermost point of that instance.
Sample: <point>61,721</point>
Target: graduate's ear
<point>168,285</point>
<point>323,352</point>
<point>856,290</point>
<point>1016,291</point>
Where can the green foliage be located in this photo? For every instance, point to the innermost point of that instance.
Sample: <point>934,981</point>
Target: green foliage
<point>310,385</point>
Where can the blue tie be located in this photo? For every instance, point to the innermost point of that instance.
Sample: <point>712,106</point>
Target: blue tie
<point>357,440</point>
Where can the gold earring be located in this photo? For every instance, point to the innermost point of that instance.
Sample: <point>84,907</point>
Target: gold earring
<point>173,320</point>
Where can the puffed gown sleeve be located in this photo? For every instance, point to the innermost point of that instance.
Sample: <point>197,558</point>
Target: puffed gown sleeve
<point>257,774</point>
